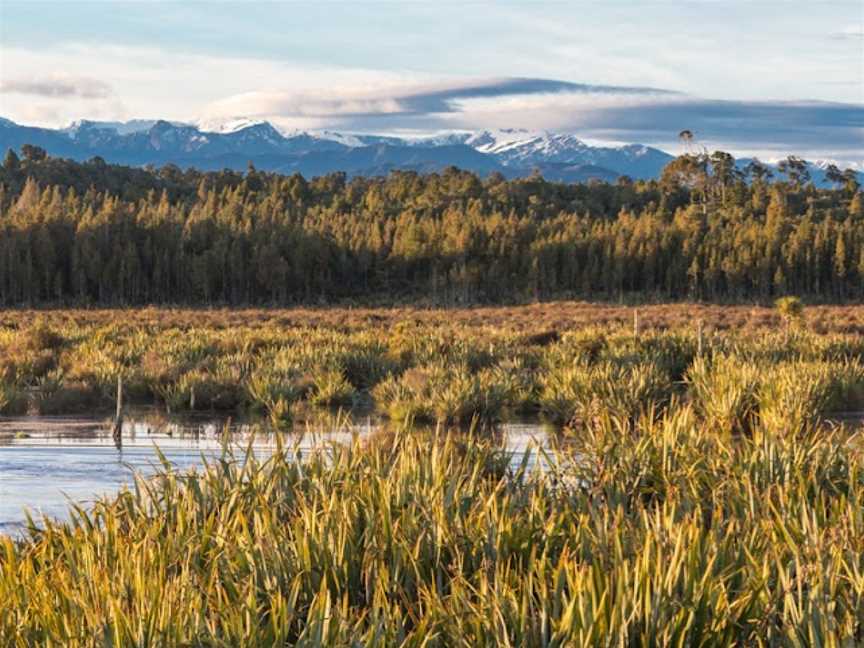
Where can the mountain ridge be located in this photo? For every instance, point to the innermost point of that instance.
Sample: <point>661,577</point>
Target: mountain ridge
<point>234,143</point>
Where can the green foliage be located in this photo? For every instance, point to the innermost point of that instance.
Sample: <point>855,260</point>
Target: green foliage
<point>449,394</point>
<point>726,393</point>
<point>581,395</point>
<point>275,393</point>
<point>736,395</point>
<point>434,372</point>
<point>796,396</point>
<point>12,400</point>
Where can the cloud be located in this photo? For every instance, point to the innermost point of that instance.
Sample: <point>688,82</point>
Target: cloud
<point>812,129</point>
<point>444,98</point>
<point>404,99</point>
<point>852,32</point>
<point>804,127</point>
<point>612,113</point>
<point>150,83</point>
<point>57,87</point>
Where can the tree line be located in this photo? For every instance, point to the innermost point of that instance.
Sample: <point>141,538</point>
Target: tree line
<point>96,233</point>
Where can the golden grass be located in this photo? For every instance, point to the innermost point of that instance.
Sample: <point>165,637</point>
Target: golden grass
<point>703,498</point>
<point>653,532</point>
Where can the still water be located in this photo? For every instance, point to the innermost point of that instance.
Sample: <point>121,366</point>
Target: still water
<point>47,463</point>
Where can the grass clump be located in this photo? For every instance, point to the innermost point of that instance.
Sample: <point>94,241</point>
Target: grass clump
<point>12,400</point>
<point>448,394</point>
<point>275,393</point>
<point>736,396</point>
<point>577,396</point>
<point>41,336</point>
<point>430,370</point>
<point>726,393</point>
<point>331,388</point>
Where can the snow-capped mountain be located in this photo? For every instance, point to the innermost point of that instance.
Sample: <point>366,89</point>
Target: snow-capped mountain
<point>236,124</point>
<point>121,128</point>
<point>523,148</point>
<point>234,143</point>
<point>225,126</point>
<point>356,140</point>
<point>210,142</point>
<point>823,165</point>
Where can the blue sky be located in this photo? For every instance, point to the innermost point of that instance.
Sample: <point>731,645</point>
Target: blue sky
<point>753,76</point>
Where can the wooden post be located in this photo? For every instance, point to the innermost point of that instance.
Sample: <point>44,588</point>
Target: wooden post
<point>635,322</point>
<point>117,428</point>
<point>699,337</point>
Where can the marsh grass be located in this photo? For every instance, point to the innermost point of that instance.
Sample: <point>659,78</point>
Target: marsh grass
<point>734,394</point>
<point>650,531</point>
<point>579,395</point>
<point>331,388</point>
<point>699,499</point>
<point>413,370</point>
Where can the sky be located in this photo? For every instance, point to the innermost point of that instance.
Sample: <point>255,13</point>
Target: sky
<point>750,76</point>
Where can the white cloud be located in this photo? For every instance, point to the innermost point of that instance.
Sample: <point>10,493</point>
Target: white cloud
<point>149,83</point>
<point>57,87</point>
<point>304,104</point>
<point>850,32</point>
<point>384,101</point>
<point>153,83</point>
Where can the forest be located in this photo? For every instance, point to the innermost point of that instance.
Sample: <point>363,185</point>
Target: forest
<point>98,234</point>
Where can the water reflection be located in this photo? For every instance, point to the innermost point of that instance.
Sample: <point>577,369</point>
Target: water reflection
<point>46,462</point>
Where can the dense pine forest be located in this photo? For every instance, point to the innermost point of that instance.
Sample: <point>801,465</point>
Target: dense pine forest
<point>94,233</point>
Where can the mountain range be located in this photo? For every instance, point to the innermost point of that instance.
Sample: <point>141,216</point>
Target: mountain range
<point>233,144</point>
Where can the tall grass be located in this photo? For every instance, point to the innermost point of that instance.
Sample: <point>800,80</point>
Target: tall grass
<point>448,373</point>
<point>700,499</point>
<point>658,532</point>
<point>734,393</point>
<point>576,396</point>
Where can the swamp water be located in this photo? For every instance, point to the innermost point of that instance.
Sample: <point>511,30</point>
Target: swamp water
<point>48,463</point>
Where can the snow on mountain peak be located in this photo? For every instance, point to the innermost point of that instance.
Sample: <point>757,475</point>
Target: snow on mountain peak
<point>346,139</point>
<point>517,146</point>
<point>227,126</point>
<point>119,127</point>
<point>823,165</point>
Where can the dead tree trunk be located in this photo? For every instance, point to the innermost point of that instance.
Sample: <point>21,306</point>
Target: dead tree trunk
<point>117,427</point>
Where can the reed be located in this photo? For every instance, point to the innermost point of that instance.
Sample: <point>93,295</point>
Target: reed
<point>700,494</point>
<point>647,531</point>
<point>578,395</point>
<point>447,372</point>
